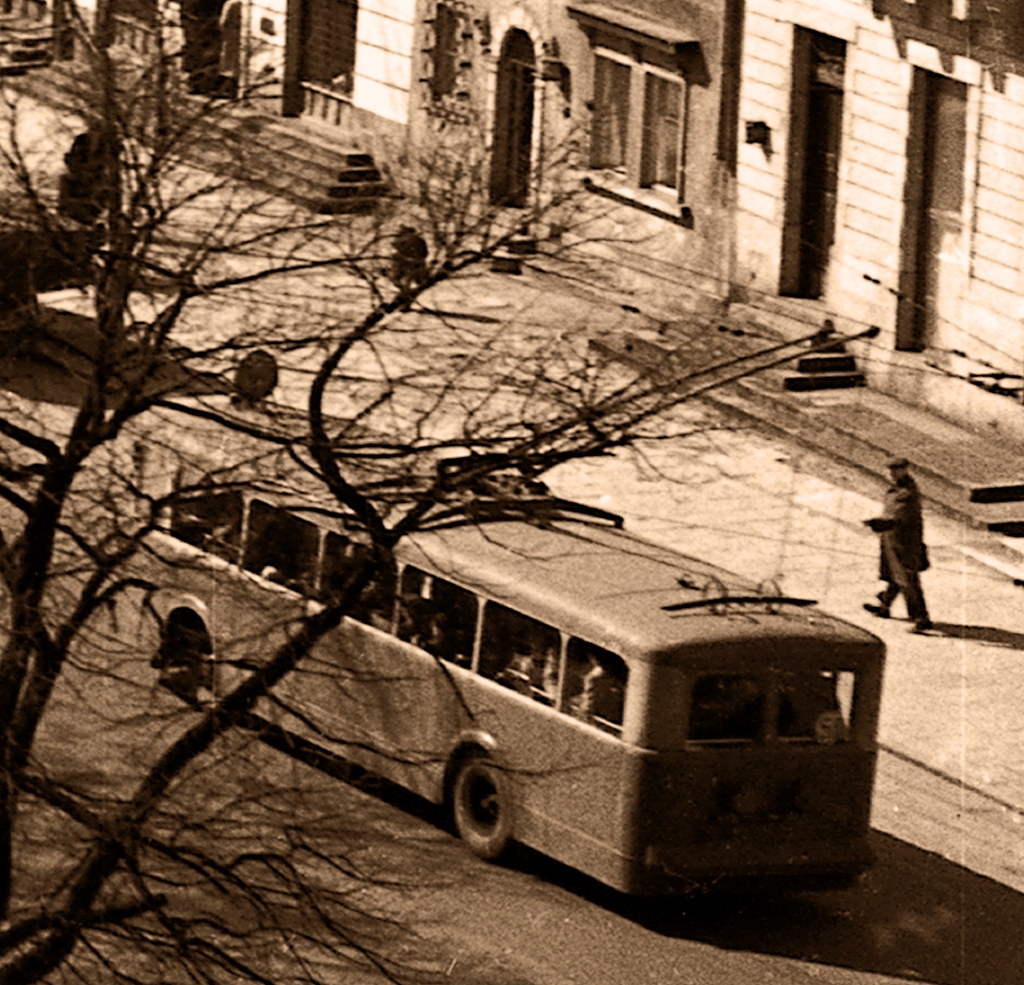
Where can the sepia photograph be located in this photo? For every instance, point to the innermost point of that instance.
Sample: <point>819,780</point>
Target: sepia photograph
<point>511,492</point>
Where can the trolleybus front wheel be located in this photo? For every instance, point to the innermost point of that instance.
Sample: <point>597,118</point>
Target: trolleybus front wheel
<point>482,807</point>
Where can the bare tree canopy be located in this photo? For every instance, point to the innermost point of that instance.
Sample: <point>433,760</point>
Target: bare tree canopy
<point>224,337</point>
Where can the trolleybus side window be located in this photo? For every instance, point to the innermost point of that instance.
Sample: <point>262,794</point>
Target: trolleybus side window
<point>376,605</point>
<point>727,707</point>
<point>336,564</point>
<point>281,547</point>
<point>455,614</point>
<point>815,705</point>
<point>520,652</point>
<point>595,685</point>
<point>438,616</point>
<point>211,522</point>
<point>31,9</point>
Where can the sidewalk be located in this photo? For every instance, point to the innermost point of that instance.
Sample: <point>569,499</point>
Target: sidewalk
<point>859,426</point>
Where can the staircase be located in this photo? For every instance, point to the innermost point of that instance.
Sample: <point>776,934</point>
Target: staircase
<point>830,368</point>
<point>310,164</point>
<point>358,189</point>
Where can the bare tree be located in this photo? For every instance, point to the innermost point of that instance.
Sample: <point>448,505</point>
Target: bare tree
<point>226,337</point>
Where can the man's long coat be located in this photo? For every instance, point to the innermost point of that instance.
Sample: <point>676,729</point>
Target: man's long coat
<point>902,530</point>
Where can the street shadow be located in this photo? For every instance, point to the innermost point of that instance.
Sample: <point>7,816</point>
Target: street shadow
<point>981,634</point>
<point>913,915</point>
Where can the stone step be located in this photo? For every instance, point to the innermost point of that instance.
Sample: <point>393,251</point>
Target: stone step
<point>349,206</point>
<point>359,160</point>
<point>289,158</point>
<point>360,176</point>
<point>361,189</point>
<point>837,381</point>
<point>827,364</point>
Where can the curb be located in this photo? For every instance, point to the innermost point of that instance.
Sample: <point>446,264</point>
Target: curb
<point>753,403</point>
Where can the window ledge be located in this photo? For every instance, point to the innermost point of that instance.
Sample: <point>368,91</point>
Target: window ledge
<point>646,201</point>
<point>343,95</point>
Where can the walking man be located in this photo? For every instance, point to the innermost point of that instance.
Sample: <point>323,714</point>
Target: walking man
<point>903,554</point>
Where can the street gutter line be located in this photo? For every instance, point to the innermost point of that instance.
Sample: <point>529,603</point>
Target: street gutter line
<point>1011,571</point>
<point>962,784</point>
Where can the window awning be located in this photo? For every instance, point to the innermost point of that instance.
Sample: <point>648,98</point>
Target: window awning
<point>652,23</point>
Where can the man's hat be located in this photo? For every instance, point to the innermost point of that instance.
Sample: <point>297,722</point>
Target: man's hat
<point>898,462</point>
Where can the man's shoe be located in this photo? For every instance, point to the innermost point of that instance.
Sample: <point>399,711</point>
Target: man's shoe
<point>877,610</point>
<point>922,626</point>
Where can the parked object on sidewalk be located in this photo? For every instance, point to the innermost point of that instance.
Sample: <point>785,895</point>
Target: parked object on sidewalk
<point>409,260</point>
<point>903,554</point>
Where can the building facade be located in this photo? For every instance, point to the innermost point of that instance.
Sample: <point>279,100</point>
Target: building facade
<point>881,182</point>
<point>644,89</point>
<point>854,160</point>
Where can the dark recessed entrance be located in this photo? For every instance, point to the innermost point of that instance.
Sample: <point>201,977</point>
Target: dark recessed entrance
<point>513,121</point>
<point>815,130</point>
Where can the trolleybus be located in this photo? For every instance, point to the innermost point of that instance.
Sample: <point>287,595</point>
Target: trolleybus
<point>643,716</point>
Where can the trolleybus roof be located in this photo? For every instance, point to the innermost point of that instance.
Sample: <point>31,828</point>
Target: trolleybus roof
<point>615,588</point>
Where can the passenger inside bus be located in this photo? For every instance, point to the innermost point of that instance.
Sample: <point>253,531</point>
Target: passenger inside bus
<point>597,684</point>
<point>520,672</point>
<point>514,648</point>
<point>376,604</point>
<point>532,671</point>
<point>211,522</point>
<point>549,675</point>
<point>438,616</point>
<point>452,622</point>
<point>281,547</point>
<point>809,707</point>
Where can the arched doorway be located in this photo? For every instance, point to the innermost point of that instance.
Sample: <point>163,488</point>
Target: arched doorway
<point>513,121</point>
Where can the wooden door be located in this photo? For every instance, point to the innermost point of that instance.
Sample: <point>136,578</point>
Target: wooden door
<point>513,122</point>
<point>815,136</point>
<point>932,248</point>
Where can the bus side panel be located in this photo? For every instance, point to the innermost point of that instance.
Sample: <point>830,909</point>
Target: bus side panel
<point>573,783</point>
<point>394,709</point>
<point>251,621</point>
<point>243,621</point>
<point>378,702</point>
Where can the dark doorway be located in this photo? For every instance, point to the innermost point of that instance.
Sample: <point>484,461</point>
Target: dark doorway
<point>815,132</point>
<point>329,43</point>
<point>231,45</point>
<point>513,121</point>
<point>933,201</point>
<point>200,24</point>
